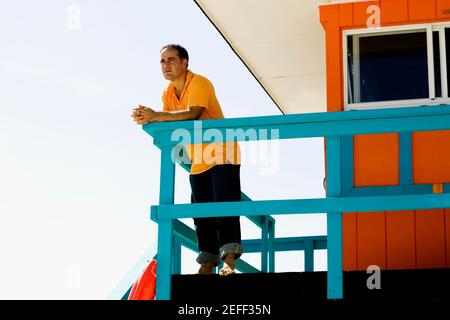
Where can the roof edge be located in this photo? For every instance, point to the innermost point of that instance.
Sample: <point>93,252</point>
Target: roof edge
<point>231,47</point>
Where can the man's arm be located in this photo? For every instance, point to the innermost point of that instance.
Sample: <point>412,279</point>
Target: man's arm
<point>143,115</point>
<point>193,113</point>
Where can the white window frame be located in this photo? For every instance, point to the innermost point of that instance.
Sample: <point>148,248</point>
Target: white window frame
<point>429,28</point>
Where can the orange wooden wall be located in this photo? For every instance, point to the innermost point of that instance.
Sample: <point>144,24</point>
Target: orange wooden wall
<point>391,239</point>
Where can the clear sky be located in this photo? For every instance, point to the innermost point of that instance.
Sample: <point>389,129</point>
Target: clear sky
<point>77,176</point>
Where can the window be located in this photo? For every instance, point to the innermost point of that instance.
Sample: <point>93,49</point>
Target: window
<point>396,67</point>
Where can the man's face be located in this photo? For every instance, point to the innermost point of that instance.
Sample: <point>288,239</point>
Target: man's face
<point>172,66</point>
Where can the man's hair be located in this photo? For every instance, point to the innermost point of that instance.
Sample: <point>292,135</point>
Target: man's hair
<point>181,51</point>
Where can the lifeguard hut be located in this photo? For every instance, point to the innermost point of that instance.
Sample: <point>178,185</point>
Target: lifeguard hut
<point>391,54</point>
<point>371,78</point>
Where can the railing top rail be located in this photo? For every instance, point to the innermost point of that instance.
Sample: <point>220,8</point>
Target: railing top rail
<point>301,206</point>
<point>313,124</point>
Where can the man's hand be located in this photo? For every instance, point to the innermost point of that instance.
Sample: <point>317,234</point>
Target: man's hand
<point>142,115</point>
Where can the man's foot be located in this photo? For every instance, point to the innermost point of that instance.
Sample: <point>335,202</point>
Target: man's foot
<point>206,268</point>
<point>228,265</point>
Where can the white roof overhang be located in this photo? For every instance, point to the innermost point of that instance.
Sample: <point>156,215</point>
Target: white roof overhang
<point>281,42</point>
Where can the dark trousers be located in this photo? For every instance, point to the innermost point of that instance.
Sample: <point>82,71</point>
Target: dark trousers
<point>222,235</point>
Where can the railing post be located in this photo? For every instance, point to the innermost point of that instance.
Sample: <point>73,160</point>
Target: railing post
<point>264,244</point>
<point>271,245</point>
<point>309,256</point>
<point>334,219</point>
<point>347,164</point>
<point>165,226</point>
<point>405,158</point>
<point>176,263</point>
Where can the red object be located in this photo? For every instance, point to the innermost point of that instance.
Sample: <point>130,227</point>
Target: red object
<point>145,286</point>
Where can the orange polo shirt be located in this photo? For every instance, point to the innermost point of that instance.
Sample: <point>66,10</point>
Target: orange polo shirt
<point>199,92</point>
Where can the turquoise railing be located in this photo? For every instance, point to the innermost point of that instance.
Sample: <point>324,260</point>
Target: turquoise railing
<point>342,196</point>
<point>267,245</point>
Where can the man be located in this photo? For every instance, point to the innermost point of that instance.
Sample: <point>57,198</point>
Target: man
<point>214,176</point>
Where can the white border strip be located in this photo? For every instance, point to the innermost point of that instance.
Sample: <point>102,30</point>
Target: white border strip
<point>430,59</point>
<point>443,62</point>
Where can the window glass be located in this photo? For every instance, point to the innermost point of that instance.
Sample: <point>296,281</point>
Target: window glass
<point>387,67</point>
